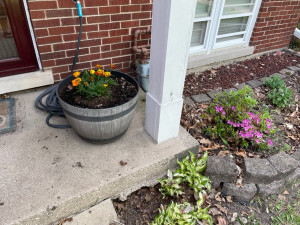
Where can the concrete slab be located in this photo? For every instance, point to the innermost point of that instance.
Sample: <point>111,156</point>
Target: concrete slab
<point>101,214</point>
<point>47,174</point>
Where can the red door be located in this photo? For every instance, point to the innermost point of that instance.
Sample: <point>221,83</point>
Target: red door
<point>16,49</point>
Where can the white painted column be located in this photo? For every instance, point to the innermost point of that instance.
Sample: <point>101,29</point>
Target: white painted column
<point>172,25</point>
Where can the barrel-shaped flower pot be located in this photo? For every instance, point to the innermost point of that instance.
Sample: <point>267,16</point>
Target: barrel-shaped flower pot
<point>99,125</point>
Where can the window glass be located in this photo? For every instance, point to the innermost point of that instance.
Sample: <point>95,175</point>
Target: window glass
<point>233,25</point>
<point>238,6</point>
<point>203,8</point>
<point>198,35</point>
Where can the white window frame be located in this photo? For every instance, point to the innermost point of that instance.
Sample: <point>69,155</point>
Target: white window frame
<point>213,23</point>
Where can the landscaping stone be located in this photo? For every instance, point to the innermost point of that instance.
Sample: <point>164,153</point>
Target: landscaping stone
<point>259,171</point>
<point>230,89</point>
<point>188,101</point>
<point>240,86</point>
<point>296,155</point>
<point>282,76</point>
<point>294,176</point>
<point>221,169</point>
<point>255,83</point>
<point>283,163</point>
<point>287,72</point>
<point>270,189</point>
<point>277,119</point>
<point>243,194</point>
<point>201,98</point>
<point>263,79</point>
<point>212,94</point>
<point>298,65</point>
<point>294,68</point>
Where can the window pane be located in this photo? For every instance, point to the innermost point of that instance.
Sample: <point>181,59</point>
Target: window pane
<point>238,6</point>
<point>230,38</point>
<point>233,25</point>
<point>198,35</point>
<point>203,8</point>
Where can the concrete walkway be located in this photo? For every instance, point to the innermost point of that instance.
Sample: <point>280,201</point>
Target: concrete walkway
<point>47,174</point>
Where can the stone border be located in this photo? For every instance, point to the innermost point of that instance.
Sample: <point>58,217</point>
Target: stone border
<point>260,176</point>
<point>207,97</point>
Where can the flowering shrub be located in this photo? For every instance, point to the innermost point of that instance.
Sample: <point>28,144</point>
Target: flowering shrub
<point>235,121</point>
<point>94,83</point>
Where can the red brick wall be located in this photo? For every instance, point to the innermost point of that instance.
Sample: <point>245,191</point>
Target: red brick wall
<point>108,27</point>
<point>275,25</point>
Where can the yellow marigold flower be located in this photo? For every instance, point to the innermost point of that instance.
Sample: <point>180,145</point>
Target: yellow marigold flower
<point>76,82</point>
<point>107,74</point>
<point>76,74</point>
<point>98,66</point>
<point>92,72</point>
<point>112,66</point>
<point>105,85</point>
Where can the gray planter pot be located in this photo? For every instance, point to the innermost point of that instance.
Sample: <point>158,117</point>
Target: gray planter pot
<point>99,125</point>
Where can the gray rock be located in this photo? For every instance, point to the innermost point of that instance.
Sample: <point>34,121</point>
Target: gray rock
<point>263,79</point>
<point>215,184</point>
<point>293,68</point>
<point>212,94</point>
<point>259,171</point>
<point>298,65</point>
<point>270,189</point>
<point>282,76</point>
<point>277,119</point>
<point>255,83</point>
<point>221,169</point>
<point>230,89</point>
<point>283,163</point>
<point>294,176</point>
<point>287,72</point>
<point>243,194</point>
<point>201,98</point>
<point>240,86</point>
<point>296,155</point>
<point>188,101</point>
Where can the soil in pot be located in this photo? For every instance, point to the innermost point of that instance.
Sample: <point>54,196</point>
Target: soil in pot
<point>121,93</point>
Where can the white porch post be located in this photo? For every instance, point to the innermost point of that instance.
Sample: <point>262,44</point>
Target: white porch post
<point>172,25</point>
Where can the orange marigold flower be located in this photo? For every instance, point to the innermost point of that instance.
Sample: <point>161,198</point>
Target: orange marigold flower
<point>86,83</point>
<point>76,74</point>
<point>76,82</point>
<point>98,66</point>
<point>112,66</point>
<point>100,72</point>
<point>107,74</point>
<point>92,78</point>
<point>92,72</point>
<point>105,85</point>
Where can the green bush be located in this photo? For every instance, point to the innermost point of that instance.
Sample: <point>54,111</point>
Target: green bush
<point>233,120</point>
<point>280,95</point>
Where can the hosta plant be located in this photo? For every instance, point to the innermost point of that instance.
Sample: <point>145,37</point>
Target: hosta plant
<point>183,214</point>
<point>94,82</point>
<point>190,173</point>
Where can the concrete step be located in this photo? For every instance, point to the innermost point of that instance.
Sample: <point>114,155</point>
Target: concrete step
<point>47,174</point>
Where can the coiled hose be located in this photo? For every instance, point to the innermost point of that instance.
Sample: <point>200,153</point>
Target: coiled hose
<point>52,105</point>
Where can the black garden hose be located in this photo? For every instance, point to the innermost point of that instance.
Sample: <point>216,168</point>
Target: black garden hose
<point>52,105</point>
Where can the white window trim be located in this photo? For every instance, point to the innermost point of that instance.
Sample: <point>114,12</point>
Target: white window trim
<point>212,29</point>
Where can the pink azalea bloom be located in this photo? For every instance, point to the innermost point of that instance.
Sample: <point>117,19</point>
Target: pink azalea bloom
<point>219,108</point>
<point>257,141</point>
<point>270,142</point>
<point>233,108</point>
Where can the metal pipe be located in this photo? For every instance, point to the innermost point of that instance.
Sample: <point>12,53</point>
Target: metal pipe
<point>144,50</point>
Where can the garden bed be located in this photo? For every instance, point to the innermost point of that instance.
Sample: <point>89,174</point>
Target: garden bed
<point>142,206</point>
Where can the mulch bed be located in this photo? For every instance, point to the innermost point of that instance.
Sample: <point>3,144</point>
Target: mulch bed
<point>121,93</point>
<point>141,207</point>
<point>228,76</point>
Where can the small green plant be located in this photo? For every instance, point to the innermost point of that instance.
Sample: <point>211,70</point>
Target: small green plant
<point>280,95</point>
<point>189,172</point>
<point>233,120</point>
<point>285,148</point>
<point>274,82</point>
<point>182,214</point>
